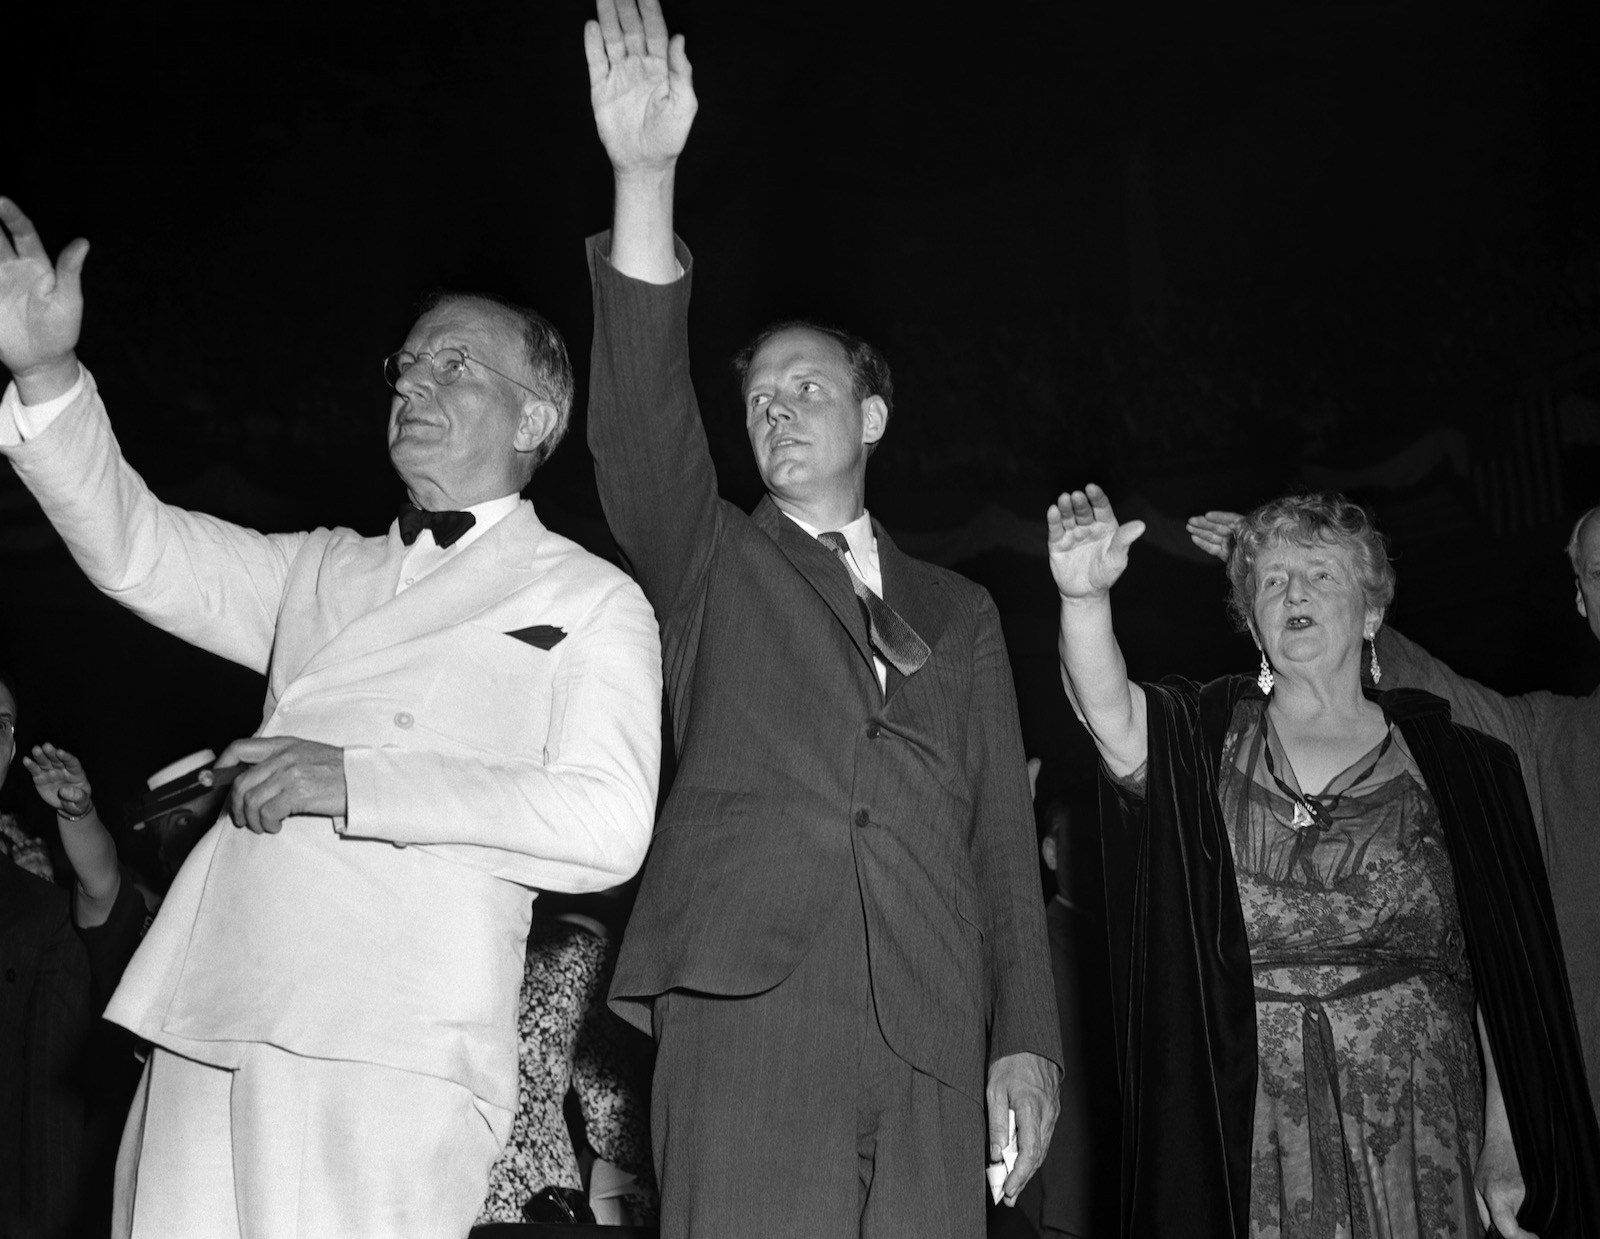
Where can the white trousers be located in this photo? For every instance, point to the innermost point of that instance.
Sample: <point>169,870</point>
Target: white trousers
<point>286,1147</point>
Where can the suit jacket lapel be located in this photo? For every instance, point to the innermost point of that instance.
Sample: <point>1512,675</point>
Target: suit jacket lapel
<point>820,567</point>
<point>454,592</point>
<point>913,591</point>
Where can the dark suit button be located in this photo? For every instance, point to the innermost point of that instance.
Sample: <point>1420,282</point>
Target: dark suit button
<point>873,731</point>
<point>862,819</point>
<point>11,974</point>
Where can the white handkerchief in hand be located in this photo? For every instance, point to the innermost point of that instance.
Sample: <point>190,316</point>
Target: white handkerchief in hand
<point>997,1171</point>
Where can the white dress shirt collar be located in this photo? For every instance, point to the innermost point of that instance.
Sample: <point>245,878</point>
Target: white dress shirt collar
<point>863,548</point>
<point>424,555</point>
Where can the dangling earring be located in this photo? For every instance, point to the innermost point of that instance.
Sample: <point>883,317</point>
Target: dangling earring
<point>1265,679</point>
<point>1377,671</point>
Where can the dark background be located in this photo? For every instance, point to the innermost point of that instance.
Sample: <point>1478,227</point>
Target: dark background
<point>1199,253</point>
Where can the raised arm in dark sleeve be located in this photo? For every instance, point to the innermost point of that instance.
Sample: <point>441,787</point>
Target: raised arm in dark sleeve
<point>652,461</point>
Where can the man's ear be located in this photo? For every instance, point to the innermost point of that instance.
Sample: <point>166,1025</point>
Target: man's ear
<point>874,419</point>
<point>1583,607</point>
<point>1047,851</point>
<point>534,426</point>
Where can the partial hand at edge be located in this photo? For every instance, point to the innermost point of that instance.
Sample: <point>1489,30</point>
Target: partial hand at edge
<point>1029,1086</point>
<point>287,776</point>
<point>1088,548</point>
<point>41,308</point>
<point>1499,1188</point>
<point>1213,532</point>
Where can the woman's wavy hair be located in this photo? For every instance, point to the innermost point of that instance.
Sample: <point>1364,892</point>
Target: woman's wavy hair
<point>1312,519</point>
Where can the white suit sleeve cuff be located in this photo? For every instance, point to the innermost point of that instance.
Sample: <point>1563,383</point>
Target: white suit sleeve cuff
<point>32,420</point>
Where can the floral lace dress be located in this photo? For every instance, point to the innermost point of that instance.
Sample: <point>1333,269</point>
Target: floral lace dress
<point>568,1039</point>
<point>1369,1107</point>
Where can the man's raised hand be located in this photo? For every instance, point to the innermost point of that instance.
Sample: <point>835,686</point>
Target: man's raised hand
<point>1088,549</point>
<point>41,308</point>
<point>639,84</point>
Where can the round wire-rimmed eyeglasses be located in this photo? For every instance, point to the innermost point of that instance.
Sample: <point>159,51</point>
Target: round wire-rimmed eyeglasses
<point>447,365</point>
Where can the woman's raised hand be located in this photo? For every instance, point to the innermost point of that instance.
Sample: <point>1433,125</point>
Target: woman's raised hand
<point>58,777</point>
<point>1088,549</point>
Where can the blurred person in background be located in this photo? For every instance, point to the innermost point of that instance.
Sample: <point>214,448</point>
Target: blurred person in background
<point>44,1020</point>
<point>1075,1192</point>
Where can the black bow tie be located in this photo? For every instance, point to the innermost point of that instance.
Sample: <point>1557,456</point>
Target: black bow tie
<point>447,526</point>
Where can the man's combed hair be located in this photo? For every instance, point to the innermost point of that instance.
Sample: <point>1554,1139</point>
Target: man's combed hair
<point>1308,520</point>
<point>549,365</point>
<point>869,369</point>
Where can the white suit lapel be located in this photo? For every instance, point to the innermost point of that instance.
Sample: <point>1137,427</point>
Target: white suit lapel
<point>473,581</point>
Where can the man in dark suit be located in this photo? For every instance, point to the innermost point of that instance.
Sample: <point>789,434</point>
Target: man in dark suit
<point>839,928</point>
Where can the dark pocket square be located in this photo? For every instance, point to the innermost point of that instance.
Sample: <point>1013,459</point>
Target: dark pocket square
<point>542,635</point>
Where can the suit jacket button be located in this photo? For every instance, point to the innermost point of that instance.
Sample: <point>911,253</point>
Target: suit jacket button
<point>403,719</point>
<point>862,819</point>
<point>873,731</point>
<point>11,974</point>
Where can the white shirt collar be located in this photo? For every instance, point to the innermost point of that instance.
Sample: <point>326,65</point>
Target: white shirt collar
<point>863,548</point>
<point>858,533</point>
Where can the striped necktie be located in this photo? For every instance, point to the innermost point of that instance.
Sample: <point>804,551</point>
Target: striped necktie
<point>895,640</point>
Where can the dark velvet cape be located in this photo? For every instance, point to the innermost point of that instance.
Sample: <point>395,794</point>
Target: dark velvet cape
<point>1183,993</point>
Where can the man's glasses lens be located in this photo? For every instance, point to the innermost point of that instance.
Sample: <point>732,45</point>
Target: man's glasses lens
<point>447,365</point>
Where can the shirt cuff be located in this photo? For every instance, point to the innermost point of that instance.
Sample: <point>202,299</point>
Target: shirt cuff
<point>32,420</point>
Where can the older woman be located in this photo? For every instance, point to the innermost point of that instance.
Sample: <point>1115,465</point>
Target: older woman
<point>1309,890</point>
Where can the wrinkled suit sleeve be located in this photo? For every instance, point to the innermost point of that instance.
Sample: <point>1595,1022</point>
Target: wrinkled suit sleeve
<point>1023,999</point>
<point>215,584</point>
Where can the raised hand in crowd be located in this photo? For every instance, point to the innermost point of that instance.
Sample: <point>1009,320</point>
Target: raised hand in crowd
<point>1212,532</point>
<point>41,308</point>
<point>639,85</point>
<point>59,778</point>
<point>642,92</point>
<point>1088,548</point>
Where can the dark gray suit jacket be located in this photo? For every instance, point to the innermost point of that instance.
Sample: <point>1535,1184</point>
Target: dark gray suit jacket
<point>795,776</point>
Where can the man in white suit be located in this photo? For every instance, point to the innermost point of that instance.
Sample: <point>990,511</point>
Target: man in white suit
<point>456,713</point>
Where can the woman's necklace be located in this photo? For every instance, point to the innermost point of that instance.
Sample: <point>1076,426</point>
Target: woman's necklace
<point>1311,810</point>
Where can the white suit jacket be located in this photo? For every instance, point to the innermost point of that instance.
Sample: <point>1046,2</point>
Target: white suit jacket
<point>478,766</point>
